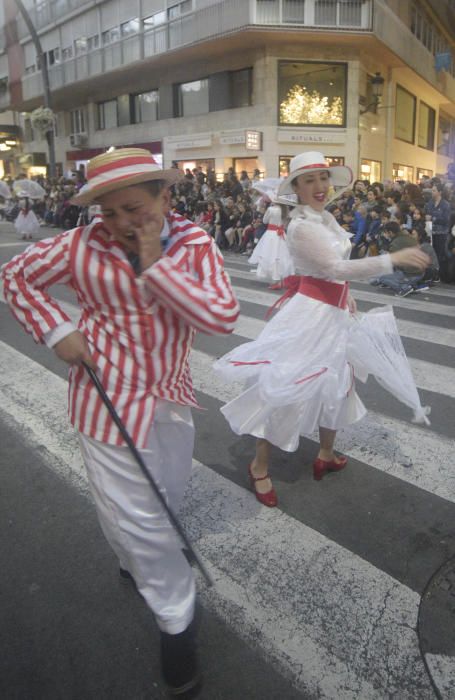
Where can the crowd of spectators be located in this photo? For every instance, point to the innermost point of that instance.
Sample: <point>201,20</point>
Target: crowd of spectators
<point>380,216</point>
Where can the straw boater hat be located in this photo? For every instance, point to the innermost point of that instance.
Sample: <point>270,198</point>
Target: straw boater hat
<point>122,167</point>
<point>311,161</point>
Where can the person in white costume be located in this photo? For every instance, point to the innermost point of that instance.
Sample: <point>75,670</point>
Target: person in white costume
<point>271,254</point>
<point>26,223</point>
<point>297,372</point>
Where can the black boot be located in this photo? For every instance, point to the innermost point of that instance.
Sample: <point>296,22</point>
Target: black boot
<point>179,662</point>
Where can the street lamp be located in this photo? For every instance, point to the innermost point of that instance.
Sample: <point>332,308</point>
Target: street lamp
<point>377,86</point>
<point>44,73</point>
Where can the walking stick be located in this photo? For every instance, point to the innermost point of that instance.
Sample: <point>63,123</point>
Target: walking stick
<point>137,456</point>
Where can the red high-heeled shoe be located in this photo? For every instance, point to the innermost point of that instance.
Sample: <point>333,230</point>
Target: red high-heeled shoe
<point>321,467</point>
<point>270,498</point>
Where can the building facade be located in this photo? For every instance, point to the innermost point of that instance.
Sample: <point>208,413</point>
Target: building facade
<point>236,83</point>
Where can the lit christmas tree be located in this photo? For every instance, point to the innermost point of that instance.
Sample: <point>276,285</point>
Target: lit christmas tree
<point>302,107</point>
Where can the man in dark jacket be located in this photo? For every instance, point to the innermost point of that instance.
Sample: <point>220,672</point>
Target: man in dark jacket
<point>438,212</point>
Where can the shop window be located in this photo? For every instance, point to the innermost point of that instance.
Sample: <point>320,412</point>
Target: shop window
<point>107,115</point>
<point>193,98</point>
<point>403,172</point>
<point>371,170</point>
<point>145,106</point>
<point>423,172</point>
<point>405,115</point>
<point>427,119</point>
<point>311,93</point>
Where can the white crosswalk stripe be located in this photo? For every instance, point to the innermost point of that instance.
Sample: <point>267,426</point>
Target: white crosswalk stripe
<point>334,623</point>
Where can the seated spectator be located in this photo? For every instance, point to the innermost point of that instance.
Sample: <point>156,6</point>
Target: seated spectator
<point>359,224</point>
<point>372,230</point>
<point>252,234</point>
<point>402,281</point>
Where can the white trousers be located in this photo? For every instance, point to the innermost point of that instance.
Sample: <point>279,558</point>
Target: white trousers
<point>133,520</point>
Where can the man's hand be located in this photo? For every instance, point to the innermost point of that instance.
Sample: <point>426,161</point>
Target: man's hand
<point>74,350</point>
<point>148,237</point>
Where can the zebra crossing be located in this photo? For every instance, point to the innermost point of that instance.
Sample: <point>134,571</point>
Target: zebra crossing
<point>328,585</point>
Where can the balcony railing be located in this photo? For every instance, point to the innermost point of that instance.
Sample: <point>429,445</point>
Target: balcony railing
<point>323,13</point>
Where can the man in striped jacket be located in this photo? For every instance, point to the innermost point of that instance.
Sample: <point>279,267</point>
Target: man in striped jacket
<point>145,281</point>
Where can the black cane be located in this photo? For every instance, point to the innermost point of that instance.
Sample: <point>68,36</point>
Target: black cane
<point>137,456</point>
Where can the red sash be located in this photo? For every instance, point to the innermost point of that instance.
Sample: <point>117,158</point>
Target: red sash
<point>279,229</point>
<point>332,293</point>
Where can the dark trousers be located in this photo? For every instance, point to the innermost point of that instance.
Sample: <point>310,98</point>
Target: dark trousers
<point>439,242</point>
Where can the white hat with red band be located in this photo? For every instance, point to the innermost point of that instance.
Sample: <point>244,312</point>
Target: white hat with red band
<point>119,168</point>
<point>312,161</point>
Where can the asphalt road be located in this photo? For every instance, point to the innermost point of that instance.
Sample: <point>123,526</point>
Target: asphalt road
<point>345,591</point>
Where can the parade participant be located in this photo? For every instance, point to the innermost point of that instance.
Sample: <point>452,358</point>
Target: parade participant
<point>271,254</point>
<point>26,223</point>
<point>297,372</point>
<point>146,280</point>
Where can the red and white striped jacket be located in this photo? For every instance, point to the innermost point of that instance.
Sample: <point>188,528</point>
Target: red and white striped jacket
<point>139,329</point>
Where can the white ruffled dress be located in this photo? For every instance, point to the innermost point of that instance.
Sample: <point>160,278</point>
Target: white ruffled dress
<point>26,223</point>
<point>271,255</point>
<point>298,373</point>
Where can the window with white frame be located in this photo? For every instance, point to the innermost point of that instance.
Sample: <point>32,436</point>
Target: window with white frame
<point>107,115</point>
<point>77,121</point>
<point>145,106</point>
<point>425,131</point>
<point>130,27</point>
<point>154,21</point>
<point>179,9</point>
<point>111,35</point>
<point>193,98</point>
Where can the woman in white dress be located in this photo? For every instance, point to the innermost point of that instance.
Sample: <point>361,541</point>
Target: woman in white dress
<point>271,254</point>
<point>297,372</point>
<point>26,224</point>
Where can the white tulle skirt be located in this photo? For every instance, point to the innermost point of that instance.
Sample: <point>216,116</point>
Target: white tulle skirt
<point>27,224</point>
<point>272,257</point>
<point>300,372</point>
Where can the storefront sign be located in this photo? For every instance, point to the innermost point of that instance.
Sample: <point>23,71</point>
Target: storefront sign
<point>231,139</point>
<point>201,142</point>
<point>253,140</point>
<point>298,136</point>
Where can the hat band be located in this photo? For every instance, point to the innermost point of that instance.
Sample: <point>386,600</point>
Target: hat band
<point>315,165</point>
<point>120,163</point>
<point>120,173</point>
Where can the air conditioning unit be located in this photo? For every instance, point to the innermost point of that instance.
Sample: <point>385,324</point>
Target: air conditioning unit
<point>78,140</point>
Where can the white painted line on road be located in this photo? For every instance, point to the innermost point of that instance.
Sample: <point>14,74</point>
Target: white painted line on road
<point>337,626</point>
<point>407,451</point>
<point>267,299</point>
